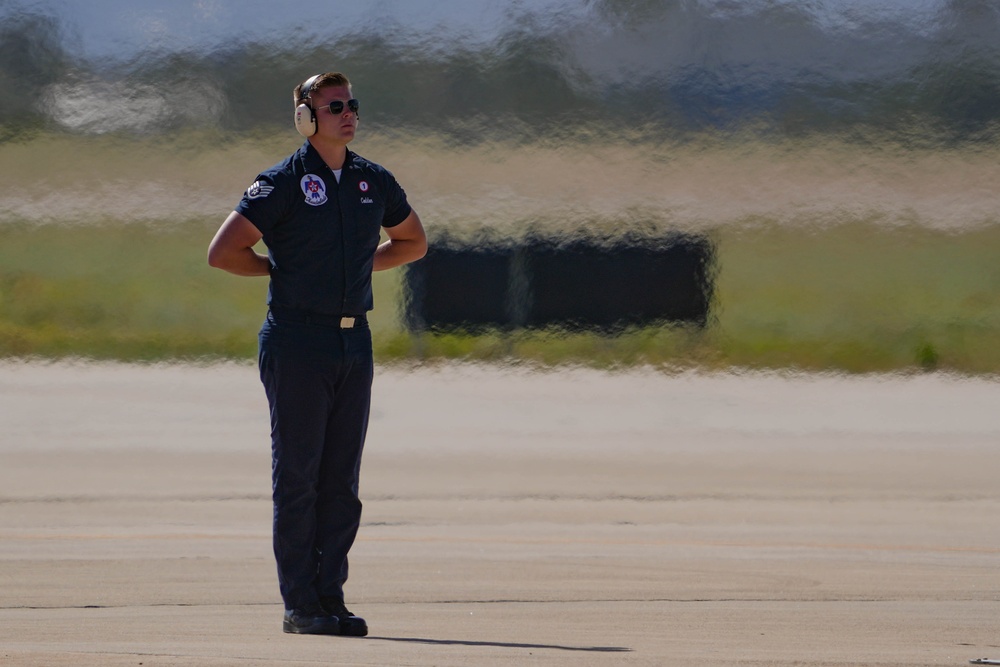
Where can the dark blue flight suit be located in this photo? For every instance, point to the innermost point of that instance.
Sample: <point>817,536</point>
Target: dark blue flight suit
<point>316,354</point>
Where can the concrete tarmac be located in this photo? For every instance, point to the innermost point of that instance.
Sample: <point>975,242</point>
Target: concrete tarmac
<point>573,517</point>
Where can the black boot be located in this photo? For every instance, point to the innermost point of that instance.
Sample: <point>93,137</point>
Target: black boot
<point>311,621</point>
<point>350,625</point>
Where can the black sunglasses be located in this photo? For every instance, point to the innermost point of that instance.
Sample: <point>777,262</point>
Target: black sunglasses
<point>337,106</point>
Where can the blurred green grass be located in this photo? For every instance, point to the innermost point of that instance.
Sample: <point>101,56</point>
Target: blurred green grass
<point>860,297</point>
<point>854,297</point>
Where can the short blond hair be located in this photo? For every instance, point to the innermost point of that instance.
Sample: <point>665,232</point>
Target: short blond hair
<point>324,80</point>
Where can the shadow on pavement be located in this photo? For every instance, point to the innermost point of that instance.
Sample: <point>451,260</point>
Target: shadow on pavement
<point>459,642</point>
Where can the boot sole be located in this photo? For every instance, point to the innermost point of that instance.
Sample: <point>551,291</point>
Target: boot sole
<point>314,629</point>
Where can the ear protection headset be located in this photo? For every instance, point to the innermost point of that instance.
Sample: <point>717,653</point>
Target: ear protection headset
<point>305,117</point>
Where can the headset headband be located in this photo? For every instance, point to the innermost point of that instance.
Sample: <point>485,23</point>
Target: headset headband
<point>306,92</point>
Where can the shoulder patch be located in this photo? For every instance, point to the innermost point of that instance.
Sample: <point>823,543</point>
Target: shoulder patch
<point>259,190</point>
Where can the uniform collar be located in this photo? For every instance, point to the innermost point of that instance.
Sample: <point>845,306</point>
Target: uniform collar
<point>313,163</point>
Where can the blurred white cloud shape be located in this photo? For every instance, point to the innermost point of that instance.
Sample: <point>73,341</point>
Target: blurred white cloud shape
<point>101,107</point>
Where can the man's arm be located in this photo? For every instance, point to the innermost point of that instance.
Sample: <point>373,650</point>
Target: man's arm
<point>232,248</point>
<point>407,243</point>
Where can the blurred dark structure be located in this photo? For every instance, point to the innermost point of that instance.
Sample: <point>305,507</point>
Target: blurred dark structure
<point>577,284</point>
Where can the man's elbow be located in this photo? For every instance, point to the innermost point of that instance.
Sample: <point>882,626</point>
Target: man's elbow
<point>415,236</point>
<point>420,248</point>
<point>215,257</point>
<point>221,257</point>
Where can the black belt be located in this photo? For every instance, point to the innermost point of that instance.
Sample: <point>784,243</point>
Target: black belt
<point>307,317</point>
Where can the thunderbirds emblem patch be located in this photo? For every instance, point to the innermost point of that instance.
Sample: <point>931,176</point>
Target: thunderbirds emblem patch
<point>314,189</point>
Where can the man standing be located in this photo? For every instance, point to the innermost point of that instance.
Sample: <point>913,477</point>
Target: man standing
<point>320,213</point>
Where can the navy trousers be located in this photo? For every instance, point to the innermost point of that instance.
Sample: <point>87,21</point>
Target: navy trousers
<point>318,383</point>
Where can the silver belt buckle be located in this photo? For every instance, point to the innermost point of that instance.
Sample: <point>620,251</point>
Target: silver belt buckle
<point>347,322</point>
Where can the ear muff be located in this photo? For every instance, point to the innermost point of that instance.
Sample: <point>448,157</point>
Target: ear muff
<point>305,117</point>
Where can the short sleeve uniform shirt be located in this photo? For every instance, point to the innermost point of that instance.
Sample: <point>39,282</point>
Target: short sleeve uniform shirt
<point>321,235</point>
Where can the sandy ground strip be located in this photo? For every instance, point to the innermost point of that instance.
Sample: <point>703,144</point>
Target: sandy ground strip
<point>511,517</point>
